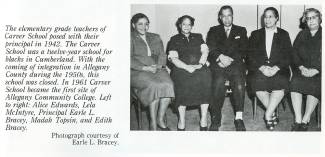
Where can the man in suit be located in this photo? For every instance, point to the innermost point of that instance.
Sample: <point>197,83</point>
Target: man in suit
<point>227,44</point>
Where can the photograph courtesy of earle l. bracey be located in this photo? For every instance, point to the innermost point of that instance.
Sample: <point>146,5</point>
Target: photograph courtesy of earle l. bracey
<point>225,67</point>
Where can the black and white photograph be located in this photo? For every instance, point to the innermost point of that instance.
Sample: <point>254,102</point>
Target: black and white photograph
<point>161,78</point>
<point>225,67</point>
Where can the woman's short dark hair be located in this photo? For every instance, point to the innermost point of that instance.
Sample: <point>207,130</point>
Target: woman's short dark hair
<point>135,18</point>
<point>304,15</point>
<point>275,12</point>
<point>181,19</point>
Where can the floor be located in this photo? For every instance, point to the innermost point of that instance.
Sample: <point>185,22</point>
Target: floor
<point>192,118</point>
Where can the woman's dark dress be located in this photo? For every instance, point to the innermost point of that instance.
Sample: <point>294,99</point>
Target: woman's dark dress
<point>279,56</point>
<point>307,52</point>
<point>190,88</point>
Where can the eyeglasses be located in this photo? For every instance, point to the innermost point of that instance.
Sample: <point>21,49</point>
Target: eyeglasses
<point>269,17</point>
<point>311,18</point>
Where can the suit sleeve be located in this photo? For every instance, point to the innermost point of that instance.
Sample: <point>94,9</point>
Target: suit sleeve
<point>284,61</point>
<point>212,44</point>
<point>243,44</point>
<point>135,63</point>
<point>316,59</point>
<point>318,62</point>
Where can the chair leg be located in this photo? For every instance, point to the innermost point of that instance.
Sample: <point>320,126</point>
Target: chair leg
<point>288,97</point>
<point>254,108</point>
<point>139,114</point>
<point>283,104</point>
<point>318,114</point>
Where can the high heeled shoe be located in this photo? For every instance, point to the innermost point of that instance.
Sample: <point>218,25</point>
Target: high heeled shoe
<point>304,126</point>
<point>275,119</point>
<point>296,127</point>
<point>203,128</point>
<point>269,124</point>
<point>178,129</point>
<point>163,129</point>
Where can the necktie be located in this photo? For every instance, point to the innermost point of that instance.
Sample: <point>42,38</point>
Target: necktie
<point>227,32</point>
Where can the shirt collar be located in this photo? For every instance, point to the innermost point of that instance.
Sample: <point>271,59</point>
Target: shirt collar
<point>184,36</point>
<point>272,31</point>
<point>314,31</point>
<point>227,27</point>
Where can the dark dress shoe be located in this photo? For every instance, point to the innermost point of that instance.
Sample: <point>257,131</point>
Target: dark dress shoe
<point>214,127</point>
<point>203,128</point>
<point>163,129</point>
<point>304,126</point>
<point>239,124</point>
<point>296,127</point>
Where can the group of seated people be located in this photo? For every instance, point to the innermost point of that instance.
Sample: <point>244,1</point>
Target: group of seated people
<point>266,63</point>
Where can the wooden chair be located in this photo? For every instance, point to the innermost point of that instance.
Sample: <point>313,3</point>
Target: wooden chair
<point>318,114</point>
<point>277,109</point>
<point>137,106</point>
<point>318,110</point>
<point>228,88</point>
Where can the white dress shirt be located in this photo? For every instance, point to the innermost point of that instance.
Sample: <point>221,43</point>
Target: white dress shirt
<point>268,40</point>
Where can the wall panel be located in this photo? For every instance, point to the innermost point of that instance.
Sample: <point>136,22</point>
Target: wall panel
<point>291,15</point>
<point>163,17</point>
<point>149,10</point>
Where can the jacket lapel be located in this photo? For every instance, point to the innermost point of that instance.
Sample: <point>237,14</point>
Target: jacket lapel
<point>140,39</point>
<point>143,43</point>
<point>274,45</point>
<point>232,31</point>
<point>223,33</point>
<point>263,35</point>
<point>149,40</point>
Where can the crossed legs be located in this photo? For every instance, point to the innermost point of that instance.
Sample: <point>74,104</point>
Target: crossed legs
<point>270,101</point>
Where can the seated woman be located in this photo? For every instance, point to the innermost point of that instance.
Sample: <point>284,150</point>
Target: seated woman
<point>270,48</point>
<point>191,76</point>
<point>148,74</point>
<point>306,68</point>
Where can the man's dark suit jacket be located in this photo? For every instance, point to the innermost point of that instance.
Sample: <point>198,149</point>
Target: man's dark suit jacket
<point>234,46</point>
